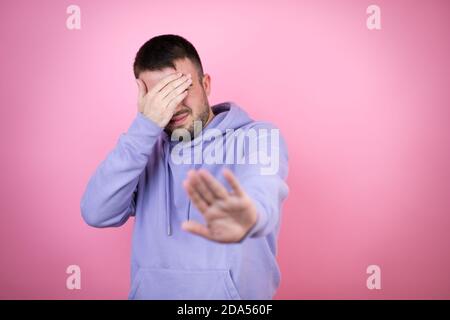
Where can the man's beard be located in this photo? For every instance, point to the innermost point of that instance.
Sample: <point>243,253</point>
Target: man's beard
<point>203,117</point>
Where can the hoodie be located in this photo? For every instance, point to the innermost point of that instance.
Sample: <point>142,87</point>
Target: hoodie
<point>141,177</point>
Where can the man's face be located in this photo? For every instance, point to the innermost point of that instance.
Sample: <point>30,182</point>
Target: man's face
<point>195,106</point>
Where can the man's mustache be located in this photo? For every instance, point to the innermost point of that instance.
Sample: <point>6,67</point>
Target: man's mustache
<point>187,110</point>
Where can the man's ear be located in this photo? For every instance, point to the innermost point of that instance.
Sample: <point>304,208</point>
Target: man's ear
<point>206,83</point>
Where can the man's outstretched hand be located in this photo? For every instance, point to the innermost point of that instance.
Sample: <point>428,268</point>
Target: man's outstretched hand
<point>229,216</point>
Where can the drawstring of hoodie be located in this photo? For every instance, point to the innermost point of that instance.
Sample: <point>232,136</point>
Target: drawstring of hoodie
<point>167,187</point>
<point>169,224</point>
<point>167,178</point>
<point>196,166</point>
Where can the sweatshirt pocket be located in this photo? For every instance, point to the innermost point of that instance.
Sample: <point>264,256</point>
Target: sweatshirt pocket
<point>183,284</point>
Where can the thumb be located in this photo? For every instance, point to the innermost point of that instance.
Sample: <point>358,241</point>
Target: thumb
<point>196,228</point>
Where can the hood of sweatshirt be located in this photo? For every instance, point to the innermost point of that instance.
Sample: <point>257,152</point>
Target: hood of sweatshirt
<point>227,115</point>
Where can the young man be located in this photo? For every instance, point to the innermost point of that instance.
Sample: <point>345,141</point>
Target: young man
<point>207,208</point>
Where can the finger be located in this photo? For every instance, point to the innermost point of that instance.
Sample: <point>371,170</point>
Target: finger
<point>175,102</point>
<point>171,86</point>
<point>177,90</point>
<point>164,81</point>
<point>234,183</point>
<point>213,184</point>
<point>196,228</point>
<point>195,197</point>
<point>199,186</point>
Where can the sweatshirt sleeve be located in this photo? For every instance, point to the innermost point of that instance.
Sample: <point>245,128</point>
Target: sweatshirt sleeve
<point>109,198</point>
<point>265,183</point>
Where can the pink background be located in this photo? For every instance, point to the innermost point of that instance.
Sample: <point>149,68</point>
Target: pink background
<point>365,114</point>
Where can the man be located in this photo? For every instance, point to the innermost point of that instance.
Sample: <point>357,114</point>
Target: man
<point>206,222</point>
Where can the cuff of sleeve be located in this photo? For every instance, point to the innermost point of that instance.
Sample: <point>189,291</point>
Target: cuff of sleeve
<point>141,135</point>
<point>145,125</point>
<point>257,229</point>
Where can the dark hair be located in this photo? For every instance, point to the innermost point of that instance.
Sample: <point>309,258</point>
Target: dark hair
<point>161,51</point>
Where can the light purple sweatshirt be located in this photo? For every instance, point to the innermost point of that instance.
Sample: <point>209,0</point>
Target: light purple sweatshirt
<point>140,178</point>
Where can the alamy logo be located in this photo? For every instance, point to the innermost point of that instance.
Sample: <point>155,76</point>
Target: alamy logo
<point>251,146</point>
<point>73,281</point>
<point>373,21</point>
<point>374,280</point>
<point>73,21</point>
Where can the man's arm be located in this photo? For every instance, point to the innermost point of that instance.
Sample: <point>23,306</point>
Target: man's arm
<point>266,184</point>
<point>110,194</point>
<point>251,209</point>
<point>108,199</point>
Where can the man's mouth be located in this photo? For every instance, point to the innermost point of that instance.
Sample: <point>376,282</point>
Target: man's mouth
<point>179,118</point>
